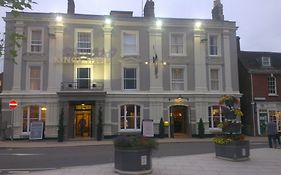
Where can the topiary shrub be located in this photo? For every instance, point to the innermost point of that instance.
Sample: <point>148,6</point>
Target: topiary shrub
<point>99,126</point>
<point>161,129</point>
<point>201,129</point>
<point>61,127</point>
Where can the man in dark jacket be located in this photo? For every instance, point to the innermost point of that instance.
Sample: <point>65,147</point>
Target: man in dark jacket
<point>271,133</point>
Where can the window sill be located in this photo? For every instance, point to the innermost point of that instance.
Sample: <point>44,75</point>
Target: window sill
<point>273,95</point>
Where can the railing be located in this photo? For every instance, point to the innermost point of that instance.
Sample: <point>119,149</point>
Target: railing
<point>82,85</point>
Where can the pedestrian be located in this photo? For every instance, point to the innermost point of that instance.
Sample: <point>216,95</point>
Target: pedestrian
<point>271,133</point>
<point>82,124</point>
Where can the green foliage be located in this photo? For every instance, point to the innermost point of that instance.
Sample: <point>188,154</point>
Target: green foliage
<point>61,127</point>
<point>99,126</point>
<point>201,129</point>
<point>161,128</point>
<point>132,142</point>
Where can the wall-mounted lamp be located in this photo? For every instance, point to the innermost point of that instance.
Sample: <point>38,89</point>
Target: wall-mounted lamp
<point>107,21</point>
<point>43,108</point>
<point>159,23</point>
<point>59,18</point>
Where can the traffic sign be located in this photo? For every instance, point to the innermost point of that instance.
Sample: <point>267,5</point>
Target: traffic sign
<point>13,104</point>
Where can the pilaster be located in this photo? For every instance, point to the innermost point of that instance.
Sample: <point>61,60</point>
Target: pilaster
<point>227,61</point>
<point>107,29</point>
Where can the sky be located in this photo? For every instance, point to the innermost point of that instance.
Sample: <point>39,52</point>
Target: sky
<point>258,21</point>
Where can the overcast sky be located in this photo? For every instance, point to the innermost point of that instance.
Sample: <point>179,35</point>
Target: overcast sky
<point>259,21</point>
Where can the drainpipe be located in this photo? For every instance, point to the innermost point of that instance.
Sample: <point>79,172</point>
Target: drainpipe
<point>253,105</point>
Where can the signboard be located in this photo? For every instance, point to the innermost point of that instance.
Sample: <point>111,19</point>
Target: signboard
<point>36,130</point>
<point>147,128</point>
<point>13,104</point>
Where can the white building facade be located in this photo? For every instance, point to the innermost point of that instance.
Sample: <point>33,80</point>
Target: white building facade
<point>121,67</point>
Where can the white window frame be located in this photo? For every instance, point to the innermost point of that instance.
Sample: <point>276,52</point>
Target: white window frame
<point>212,127</point>
<point>219,77</point>
<point>29,39</point>
<point>184,43</point>
<point>29,65</point>
<point>271,77</point>
<point>131,32</point>
<point>28,117</point>
<point>76,40</point>
<point>76,66</point>
<point>135,129</point>
<point>184,76</point>
<point>266,61</point>
<point>130,66</point>
<point>218,45</point>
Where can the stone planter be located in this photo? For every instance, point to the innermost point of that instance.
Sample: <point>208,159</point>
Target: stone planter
<point>234,151</point>
<point>132,160</point>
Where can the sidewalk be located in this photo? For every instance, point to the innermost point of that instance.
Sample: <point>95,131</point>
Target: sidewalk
<point>54,143</point>
<point>262,161</point>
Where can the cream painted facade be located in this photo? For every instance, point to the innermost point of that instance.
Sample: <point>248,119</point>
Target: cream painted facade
<point>129,70</point>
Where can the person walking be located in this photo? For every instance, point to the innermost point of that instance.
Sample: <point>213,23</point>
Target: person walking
<point>82,124</point>
<point>271,133</point>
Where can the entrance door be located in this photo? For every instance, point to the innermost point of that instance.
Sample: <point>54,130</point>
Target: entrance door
<point>179,121</point>
<point>82,123</point>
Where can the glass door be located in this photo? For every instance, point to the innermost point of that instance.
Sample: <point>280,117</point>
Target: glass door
<point>83,78</point>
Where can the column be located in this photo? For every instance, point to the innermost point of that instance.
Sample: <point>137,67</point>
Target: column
<point>18,59</point>
<point>200,61</point>
<point>227,61</point>
<point>107,59</point>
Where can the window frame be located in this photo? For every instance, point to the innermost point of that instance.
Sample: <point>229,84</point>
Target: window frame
<point>266,61</point>
<point>28,78</point>
<point>135,129</point>
<point>80,30</point>
<point>218,45</point>
<point>270,87</point>
<point>40,117</point>
<point>131,32</point>
<point>29,39</point>
<point>183,44</point>
<point>130,66</point>
<point>75,78</point>
<point>211,117</point>
<point>184,76</point>
<point>219,78</point>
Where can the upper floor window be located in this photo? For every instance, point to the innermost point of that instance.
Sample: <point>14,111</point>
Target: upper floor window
<point>35,37</point>
<point>266,61</point>
<point>130,117</point>
<point>34,77</point>
<point>214,45</point>
<point>130,43</point>
<point>83,41</point>
<point>130,78</point>
<point>177,78</point>
<point>215,116</point>
<point>272,87</point>
<point>215,80</point>
<point>177,44</point>
<point>83,75</point>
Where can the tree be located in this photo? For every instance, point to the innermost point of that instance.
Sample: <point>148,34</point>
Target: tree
<point>201,129</point>
<point>61,127</point>
<point>16,6</point>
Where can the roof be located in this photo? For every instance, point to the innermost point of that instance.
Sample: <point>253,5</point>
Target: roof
<point>252,61</point>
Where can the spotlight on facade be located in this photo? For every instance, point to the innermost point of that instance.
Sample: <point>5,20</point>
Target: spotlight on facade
<point>198,25</point>
<point>59,18</point>
<point>159,23</point>
<point>43,108</point>
<point>164,63</point>
<point>146,62</point>
<point>108,21</point>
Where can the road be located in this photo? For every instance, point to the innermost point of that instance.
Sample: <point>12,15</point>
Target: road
<point>52,158</point>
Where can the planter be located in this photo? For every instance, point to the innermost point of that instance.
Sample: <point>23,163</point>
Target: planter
<point>234,151</point>
<point>132,160</point>
<point>233,128</point>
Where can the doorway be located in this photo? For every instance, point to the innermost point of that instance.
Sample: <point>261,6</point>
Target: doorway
<point>82,121</point>
<point>179,123</point>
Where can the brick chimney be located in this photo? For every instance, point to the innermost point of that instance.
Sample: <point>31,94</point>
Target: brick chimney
<point>149,9</point>
<point>217,12</point>
<point>71,7</point>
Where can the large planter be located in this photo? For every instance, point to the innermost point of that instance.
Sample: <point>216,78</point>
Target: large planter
<point>132,160</point>
<point>235,151</point>
<point>233,128</point>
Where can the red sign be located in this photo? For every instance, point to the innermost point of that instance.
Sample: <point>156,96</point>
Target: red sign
<point>13,104</point>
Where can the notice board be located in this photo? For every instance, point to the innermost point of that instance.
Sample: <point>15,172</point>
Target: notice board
<point>36,130</point>
<point>147,128</point>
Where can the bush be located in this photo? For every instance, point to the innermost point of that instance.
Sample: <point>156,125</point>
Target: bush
<point>161,129</point>
<point>61,127</point>
<point>131,142</point>
<point>99,126</point>
<point>201,129</point>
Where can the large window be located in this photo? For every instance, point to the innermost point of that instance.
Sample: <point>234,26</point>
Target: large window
<point>272,89</point>
<point>83,41</point>
<point>130,43</point>
<point>35,40</point>
<point>214,79</point>
<point>35,77</point>
<point>83,77</point>
<point>130,78</point>
<point>177,44</point>
<point>130,117</point>
<point>215,116</point>
<point>177,78</point>
<point>213,45</point>
<point>30,114</point>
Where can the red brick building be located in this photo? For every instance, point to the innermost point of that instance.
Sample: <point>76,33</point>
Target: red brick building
<point>260,85</point>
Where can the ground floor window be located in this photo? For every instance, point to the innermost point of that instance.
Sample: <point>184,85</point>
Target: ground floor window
<point>264,117</point>
<point>130,117</point>
<point>32,113</point>
<point>215,116</point>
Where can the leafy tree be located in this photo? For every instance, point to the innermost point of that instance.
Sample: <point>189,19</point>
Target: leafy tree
<point>201,129</point>
<point>16,6</point>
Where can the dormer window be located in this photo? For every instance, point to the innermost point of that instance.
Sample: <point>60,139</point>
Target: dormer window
<point>266,62</point>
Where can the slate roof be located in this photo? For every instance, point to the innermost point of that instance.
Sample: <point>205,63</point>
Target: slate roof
<point>252,61</point>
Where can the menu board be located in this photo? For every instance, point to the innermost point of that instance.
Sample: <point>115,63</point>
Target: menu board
<point>147,128</point>
<point>36,130</point>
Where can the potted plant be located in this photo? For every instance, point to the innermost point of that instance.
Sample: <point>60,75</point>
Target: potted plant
<point>132,154</point>
<point>230,144</point>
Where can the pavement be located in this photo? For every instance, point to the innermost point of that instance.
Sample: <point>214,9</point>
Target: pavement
<point>262,161</point>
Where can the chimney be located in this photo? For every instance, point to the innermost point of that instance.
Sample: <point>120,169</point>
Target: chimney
<point>217,12</point>
<point>238,44</point>
<point>149,9</point>
<point>71,7</point>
